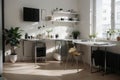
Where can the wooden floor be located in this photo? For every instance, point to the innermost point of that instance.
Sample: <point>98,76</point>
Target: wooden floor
<point>52,70</point>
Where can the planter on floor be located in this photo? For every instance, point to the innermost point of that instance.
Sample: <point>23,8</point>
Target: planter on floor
<point>13,58</point>
<point>57,56</point>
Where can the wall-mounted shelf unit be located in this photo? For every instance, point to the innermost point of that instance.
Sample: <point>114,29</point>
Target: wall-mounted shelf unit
<point>64,21</point>
<point>65,12</point>
<point>64,17</point>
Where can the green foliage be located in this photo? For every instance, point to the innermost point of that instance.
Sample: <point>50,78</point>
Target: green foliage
<point>118,30</point>
<point>48,31</point>
<point>94,35</point>
<point>12,37</point>
<point>111,32</point>
<point>76,33</point>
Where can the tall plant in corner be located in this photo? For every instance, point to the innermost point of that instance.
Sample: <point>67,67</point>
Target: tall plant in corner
<point>12,37</point>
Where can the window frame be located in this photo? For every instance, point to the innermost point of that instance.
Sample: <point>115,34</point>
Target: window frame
<point>93,15</point>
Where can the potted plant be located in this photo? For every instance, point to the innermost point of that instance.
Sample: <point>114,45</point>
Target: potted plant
<point>12,37</point>
<point>48,32</point>
<point>110,34</point>
<point>93,36</point>
<point>75,34</point>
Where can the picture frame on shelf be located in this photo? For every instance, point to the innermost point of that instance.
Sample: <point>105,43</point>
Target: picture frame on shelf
<point>43,14</point>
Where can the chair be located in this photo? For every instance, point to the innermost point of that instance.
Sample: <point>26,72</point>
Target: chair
<point>73,54</point>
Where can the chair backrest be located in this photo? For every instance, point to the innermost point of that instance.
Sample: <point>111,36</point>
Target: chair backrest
<point>70,44</point>
<point>71,50</point>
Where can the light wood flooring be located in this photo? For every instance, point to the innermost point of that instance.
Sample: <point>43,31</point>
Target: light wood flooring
<point>52,70</point>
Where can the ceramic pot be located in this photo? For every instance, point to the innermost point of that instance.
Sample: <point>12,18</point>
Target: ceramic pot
<point>75,36</point>
<point>118,38</point>
<point>13,58</point>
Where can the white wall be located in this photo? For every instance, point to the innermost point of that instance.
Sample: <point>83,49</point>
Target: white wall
<point>84,8</point>
<point>13,11</point>
<point>13,17</point>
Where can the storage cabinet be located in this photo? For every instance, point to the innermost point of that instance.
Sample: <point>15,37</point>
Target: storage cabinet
<point>40,51</point>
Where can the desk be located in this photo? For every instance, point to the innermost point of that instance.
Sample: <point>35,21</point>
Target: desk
<point>61,41</point>
<point>23,46</point>
<point>61,47</point>
<point>96,44</point>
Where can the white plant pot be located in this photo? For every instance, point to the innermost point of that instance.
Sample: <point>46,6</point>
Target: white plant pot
<point>57,56</point>
<point>13,58</point>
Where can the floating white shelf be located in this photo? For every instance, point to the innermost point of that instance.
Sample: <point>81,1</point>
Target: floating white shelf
<point>64,17</point>
<point>63,21</point>
<point>64,12</point>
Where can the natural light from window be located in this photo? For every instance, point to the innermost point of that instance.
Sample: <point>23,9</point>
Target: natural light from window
<point>103,17</point>
<point>117,14</point>
<point>107,17</point>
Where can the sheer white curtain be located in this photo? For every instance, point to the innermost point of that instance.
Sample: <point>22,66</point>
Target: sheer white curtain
<point>117,14</point>
<point>106,16</point>
<point>103,17</point>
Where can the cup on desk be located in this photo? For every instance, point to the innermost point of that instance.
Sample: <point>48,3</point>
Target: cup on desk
<point>56,36</point>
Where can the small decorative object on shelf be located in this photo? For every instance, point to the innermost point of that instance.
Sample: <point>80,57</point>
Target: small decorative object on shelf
<point>56,9</point>
<point>69,10</point>
<point>60,9</point>
<point>48,32</point>
<point>70,19</point>
<point>43,26</point>
<point>38,36</point>
<point>56,36</point>
<point>48,18</point>
<point>26,35</point>
<point>62,18</point>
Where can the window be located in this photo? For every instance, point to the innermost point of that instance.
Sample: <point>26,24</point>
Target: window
<point>107,16</point>
<point>103,17</point>
<point>117,14</point>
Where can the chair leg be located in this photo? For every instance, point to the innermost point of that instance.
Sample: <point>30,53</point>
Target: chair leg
<point>72,60</point>
<point>66,61</point>
<point>77,66</point>
<point>81,57</point>
<point>77,63</point>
